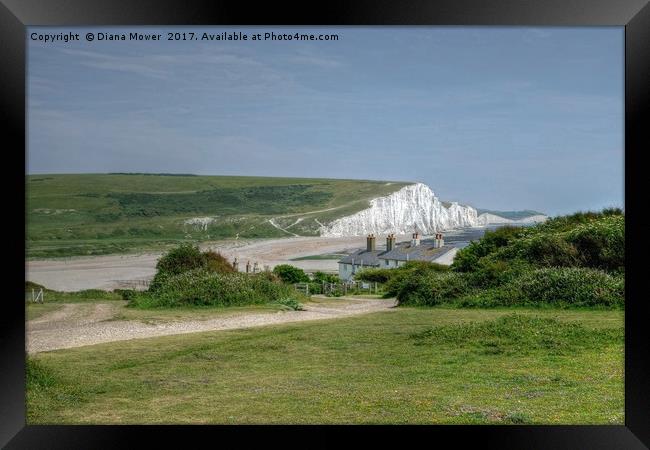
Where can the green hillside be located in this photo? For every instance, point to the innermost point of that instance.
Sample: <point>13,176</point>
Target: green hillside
<point>110,213</point>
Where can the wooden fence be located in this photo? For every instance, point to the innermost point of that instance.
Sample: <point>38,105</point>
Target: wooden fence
<point>341,288</point>
<point>141,284</point>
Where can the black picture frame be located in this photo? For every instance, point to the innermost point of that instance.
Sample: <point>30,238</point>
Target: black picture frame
<point>634,15</point>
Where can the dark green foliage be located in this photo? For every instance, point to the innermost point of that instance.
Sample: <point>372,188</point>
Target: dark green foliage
<point>517,334</point>
<point>126,294</point>
<point>490,272</point>
<point>467,258</point>
<point>200,287</point>
<point>569,261</point>
<point>181,259</point>
<point>375,275</point>
<point>188,257</point>
<point>401,276</point>
<point>215,262</point>
<point>562,287</point>
<point>253,199</point>
<point>431,289</point>
<point>322,277</point>
<point>290,274</point>
<point>601,244</point>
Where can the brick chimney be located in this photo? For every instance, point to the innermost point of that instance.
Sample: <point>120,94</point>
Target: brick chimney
<point>370,243</point>
<point>416,239</point>
<point>390,242</point>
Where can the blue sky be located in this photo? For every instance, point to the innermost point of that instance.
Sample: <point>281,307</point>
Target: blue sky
<point>498,118</point>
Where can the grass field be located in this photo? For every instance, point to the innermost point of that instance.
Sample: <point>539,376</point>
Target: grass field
<point>114,213</point>
<point>407,365</point>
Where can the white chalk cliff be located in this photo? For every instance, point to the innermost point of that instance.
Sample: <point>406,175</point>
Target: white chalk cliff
<point>412,206</point>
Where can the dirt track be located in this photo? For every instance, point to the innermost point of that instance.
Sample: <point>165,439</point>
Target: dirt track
<point>78,324</point>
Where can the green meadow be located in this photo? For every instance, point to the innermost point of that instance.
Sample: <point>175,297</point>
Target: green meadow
<point>409,365</point>
<point>88,214</point>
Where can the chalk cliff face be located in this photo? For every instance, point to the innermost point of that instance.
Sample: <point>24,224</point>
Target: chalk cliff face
<point>412,206</point>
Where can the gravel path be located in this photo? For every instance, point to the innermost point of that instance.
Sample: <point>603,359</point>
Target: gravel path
<point>77,324</point>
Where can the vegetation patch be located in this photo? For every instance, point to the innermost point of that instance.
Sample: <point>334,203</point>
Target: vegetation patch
<point>561,287</point>
<point>517,334</point>
<point>50,295</point>
<point>568,261</point>
<point>95,214</point>
<point>362,369</point>
<point>200,287</point>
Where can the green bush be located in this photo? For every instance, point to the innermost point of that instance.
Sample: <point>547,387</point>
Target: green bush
<point>290,274</point>
<point>402,275</point>
<point>371,275</point>
<point>432,289</point>
<point>181,259</point>
<point>491,272</point>
<point>126,294</point>
<point>550,250</point>
<point>203,288</point>
<point>564,287</point>
<point>322,277</point>
<point>467,259</point>
<point>600,244</point>
<point>215,262</point>
<point>576,260</point>
<point>185,258</point>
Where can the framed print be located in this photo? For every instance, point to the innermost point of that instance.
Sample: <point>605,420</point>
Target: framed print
<point>420,218</point>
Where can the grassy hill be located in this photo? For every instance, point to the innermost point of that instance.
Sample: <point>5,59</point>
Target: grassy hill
<point>86,214</point>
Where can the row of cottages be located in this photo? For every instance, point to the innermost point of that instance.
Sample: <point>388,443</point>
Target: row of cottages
<point>394,255</point>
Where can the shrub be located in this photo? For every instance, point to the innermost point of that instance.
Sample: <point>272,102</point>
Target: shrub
<point>322,277</point>
<point>601,244</point>
<point>181,259</point>
<point>565,287</point>
<point>549,250</point>
<point>215,262</point>
<point>467,259</point>
<point>491,272</point>
<point>203,288</point>
<point>188,257</point>
<point>375,275</point>
<point>432,289</point>
<point>126,294</point>
<point>290,274</point>
<point>403,275</point>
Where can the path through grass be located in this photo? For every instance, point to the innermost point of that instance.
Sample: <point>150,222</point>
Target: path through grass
<point>406,365</point>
